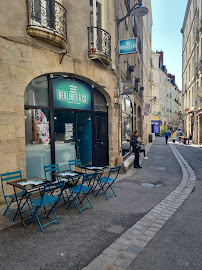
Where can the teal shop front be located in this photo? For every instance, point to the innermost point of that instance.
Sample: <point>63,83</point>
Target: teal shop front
<point>65,119</point>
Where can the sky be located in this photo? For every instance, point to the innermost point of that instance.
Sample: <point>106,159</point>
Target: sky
<point>168,16</point>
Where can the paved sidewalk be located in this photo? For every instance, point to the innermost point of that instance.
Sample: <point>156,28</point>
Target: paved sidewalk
<point>79,239</point>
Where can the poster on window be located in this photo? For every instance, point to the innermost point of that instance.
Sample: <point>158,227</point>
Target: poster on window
<point>42,125</point>
<point>69,131</point>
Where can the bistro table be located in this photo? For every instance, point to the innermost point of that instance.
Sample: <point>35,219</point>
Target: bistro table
<point>71,177</point>
<point>99,169</point>
<point>29,185</point>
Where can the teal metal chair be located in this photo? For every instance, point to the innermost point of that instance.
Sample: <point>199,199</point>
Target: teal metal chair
<point>75,162</point>
<point>84,189</point>
<point>11,198</point>
<point>105,183</point>
<point>48,169</point>
<point>47,199</point>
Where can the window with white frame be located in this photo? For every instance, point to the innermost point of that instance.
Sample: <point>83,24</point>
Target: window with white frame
<point>100,39</point>
<point>97,13</point>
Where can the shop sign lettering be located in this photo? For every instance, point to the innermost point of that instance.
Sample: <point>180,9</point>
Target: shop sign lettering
<point>71,94</point>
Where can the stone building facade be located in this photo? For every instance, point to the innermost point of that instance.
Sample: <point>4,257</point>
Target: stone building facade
<point>192,70</point>
<point>59,96</point>
<point>65,40</point>
<point>136,67</point>
<point>147,26</point>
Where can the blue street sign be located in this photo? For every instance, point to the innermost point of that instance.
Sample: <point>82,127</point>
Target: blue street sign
<point>127,46</point>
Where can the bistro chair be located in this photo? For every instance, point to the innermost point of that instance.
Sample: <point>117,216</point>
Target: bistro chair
<point>46,199</point>
<point>48,169</point>
<point>75,162</point>
<point>105,183</point>
<point>84,189</point>
<point>17,175</point>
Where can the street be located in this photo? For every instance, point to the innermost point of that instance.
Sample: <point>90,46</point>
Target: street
<point>79,239</point>
<point>178,244</point>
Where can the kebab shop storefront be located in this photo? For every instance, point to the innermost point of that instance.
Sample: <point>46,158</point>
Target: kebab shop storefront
<point>65,119</point>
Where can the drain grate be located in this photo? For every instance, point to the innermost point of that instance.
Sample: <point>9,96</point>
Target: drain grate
<point>149,185</point>
<point>157,168</point>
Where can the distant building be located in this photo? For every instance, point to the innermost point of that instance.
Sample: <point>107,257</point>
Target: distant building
<point>192,70</point>
<point>166,97</point>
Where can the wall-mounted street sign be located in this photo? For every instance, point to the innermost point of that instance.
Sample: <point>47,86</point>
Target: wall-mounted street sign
<point>71,94</point>
<point>127,46</point>
<point>127,87</point>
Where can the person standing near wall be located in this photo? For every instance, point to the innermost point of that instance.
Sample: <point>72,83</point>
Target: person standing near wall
<point>135,142</point>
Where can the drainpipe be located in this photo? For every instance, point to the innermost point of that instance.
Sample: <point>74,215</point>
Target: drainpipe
<point>142,56</point>
<point>119,78</point>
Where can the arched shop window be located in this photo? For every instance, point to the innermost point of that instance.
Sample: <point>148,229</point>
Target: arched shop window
<point>127,124</point>
<point>36,93</point>
<point>58,122</point>
<point>37,126</point>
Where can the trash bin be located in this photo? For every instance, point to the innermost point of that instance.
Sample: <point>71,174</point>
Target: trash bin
<point>150,137</point>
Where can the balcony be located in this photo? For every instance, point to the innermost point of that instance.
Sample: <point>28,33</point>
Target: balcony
<point>199,92</point>
<point>47,21</point>
<point>197,70</point>
<point>197,35</point>
<point>200,64</point>
<point>99,44</point>
<point>200,25</point>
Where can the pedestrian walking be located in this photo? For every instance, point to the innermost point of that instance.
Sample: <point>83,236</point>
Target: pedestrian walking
<point>167,134</point>
<point>136,144</point>
<point>173,136</point>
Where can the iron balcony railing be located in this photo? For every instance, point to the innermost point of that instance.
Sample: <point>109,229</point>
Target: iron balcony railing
<point>99,41</point>
<point>49,15</point>
<point>197,34</point>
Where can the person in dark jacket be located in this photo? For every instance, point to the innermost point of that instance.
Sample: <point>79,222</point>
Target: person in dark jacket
<point>136,147</point>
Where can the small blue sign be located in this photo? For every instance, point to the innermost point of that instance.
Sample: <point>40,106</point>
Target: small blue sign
<point>127,46</point>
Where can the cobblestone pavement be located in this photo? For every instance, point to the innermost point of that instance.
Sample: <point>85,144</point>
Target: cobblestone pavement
<point>125,249</point>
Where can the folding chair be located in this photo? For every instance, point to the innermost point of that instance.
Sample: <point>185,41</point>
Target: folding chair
<point>7,177</point>
<point>75,162</point>
<point>55,168</point>
<point>84,188</point>
<point>50,168</point>
<point>106,183</point>
<point>47,199</point>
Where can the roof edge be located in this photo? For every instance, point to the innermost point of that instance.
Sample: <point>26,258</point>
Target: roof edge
<point>186,15</point>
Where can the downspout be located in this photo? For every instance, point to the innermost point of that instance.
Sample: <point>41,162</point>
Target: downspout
<point>142,56</point>
<point>119,82</point>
